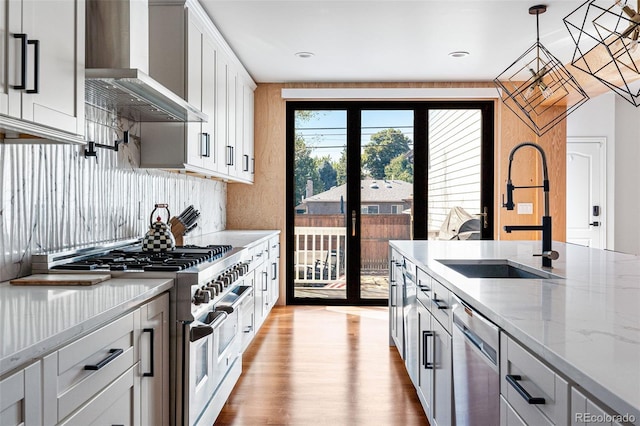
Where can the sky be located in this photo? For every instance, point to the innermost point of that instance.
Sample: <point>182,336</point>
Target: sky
<point>326,131</point>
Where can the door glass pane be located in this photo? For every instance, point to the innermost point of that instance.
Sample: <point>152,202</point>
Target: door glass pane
<point>454,174</point>
<point>386,194</point>
<point>320,204</point>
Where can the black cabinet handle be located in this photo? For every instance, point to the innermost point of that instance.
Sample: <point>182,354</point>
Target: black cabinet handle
<point>513,381</point>
<point>253,165</point>
<point>205,144</point>
<point>23,61</point>
<point>273,278</point>
<point>229,155</point>
<point>425,350</point>
<point>245,163</point>
<point>151,345</point>
<point>440,304</point>
<point>115,353</point>
<point>36,66</point>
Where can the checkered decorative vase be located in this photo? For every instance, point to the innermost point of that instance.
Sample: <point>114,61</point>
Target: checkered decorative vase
<point>159,238</point>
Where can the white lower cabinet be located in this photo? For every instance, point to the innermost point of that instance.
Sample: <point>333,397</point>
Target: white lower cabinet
<point>508,416</point>
<point>425,359</point>
<point>21,397</point>
<point>396,326</point>
<point>117,374</point>
<point>588,411</point>
<point>533,390</point>
<point>153,371</point>
<point>435,367</point>
<point>117,404</point>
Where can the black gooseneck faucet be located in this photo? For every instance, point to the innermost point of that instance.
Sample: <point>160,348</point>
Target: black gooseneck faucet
<point>547,253</point>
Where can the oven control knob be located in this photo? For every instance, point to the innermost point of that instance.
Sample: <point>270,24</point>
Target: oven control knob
<point>201,296</point>
<point>211,288</point>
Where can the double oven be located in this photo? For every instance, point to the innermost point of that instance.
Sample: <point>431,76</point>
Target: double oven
<point>211,314</point>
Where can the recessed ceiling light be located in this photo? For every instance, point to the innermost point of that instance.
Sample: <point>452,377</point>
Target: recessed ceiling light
<point>304,55</point>
<point>459,54</point>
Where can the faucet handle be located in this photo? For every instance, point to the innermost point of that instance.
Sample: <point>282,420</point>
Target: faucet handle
<point>551,254</point>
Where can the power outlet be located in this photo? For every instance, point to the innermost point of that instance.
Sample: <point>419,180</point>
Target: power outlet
<point>525,208</point>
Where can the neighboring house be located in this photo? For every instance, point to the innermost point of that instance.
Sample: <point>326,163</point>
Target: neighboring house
<point>377,197</point>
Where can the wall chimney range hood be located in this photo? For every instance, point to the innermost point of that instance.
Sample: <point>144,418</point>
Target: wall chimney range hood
<point>117,65</point>
<point>137,96</point>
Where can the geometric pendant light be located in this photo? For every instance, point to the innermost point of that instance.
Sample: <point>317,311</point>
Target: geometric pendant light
<point>606,34</point>
<point>538,88</point>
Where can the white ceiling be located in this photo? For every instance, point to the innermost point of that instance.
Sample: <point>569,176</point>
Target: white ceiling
<point>385,41</point>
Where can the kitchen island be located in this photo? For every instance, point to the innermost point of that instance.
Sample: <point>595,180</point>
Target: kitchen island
<point>585,324</point>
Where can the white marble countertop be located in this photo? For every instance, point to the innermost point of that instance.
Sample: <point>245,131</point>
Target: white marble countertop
<point>236,238</point>
<point>586,325</point>
<point>36,319</point>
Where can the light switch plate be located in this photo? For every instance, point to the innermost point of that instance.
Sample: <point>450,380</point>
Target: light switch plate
<point>525,208</point>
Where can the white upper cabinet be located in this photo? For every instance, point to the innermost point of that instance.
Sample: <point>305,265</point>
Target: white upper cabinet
<point>42,81</point>
<point>208,76</point>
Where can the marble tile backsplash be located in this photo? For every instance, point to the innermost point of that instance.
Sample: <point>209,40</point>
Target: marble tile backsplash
<point>54,198</point>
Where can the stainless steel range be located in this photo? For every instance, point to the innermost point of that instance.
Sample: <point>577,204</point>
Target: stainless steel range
<point>211,312</point>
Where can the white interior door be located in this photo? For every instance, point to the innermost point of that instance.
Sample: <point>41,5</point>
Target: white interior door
<point>586,192</point>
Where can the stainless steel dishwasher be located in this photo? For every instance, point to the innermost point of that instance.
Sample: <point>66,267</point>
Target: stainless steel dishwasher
<point>476,381</point>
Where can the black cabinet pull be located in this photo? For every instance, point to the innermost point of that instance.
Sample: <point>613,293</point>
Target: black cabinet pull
<point>513,381</point>
<point>205,144</point>
<point>115,353</point>
<point>229,154</point>
<point>151,345</point>
<point>245,166</point>
<point>36,66</point>
<point>440,304</point>
<point>23,61</point>
<point>425,350</point>
<point>253,166</point>
<point>273,278</point>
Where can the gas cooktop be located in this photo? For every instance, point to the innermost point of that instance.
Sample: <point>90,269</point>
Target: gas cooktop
<point>136,259</point>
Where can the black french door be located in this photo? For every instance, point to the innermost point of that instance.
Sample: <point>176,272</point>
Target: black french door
<point>363,173</point>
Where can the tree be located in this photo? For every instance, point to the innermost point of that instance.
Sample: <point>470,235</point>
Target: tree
<point>341,168</point>
<point>400,168</point>
<point>384,146</point>
<point>305,170</point>
<point>327,173</point>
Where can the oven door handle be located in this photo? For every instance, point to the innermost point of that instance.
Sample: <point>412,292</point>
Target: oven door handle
<point>248,291</point>
<point>198,330</point>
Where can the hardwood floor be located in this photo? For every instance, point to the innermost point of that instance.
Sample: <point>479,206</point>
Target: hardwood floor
<point>317,365</point>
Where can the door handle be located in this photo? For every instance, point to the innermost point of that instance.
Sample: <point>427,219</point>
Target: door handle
<point>485,217</point>
<point>353,223</point>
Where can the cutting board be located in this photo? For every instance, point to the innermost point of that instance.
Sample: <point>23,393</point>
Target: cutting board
<point>61,279</point>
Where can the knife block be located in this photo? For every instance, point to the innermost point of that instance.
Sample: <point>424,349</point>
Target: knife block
<point>177,229</point>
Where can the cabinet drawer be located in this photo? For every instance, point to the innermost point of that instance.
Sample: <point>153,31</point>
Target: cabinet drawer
<point>441,304</point>
<point>78,371</point>
<point>116,404</point>
<point>508,417</point>
<point>274,247</point>
<point>21,397</point>
<point>585,410</point>
<point>424,288</point>
<point>536,392</point>
<point>260,253</point>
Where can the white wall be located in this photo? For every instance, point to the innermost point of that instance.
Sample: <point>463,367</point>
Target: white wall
<point>617,120</point>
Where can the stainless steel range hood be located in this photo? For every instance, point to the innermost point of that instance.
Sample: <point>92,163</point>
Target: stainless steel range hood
<point>117,65</point>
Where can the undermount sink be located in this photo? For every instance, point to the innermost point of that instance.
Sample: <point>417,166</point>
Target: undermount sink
<point>495,268</point>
